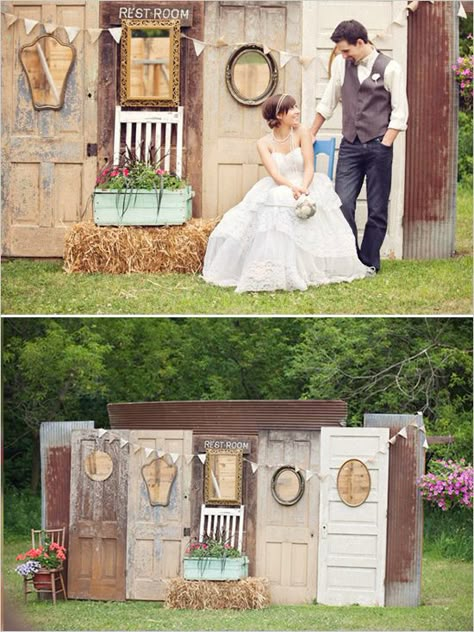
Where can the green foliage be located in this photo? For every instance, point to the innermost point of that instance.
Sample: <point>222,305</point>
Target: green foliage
<point>465,164</point>
<point>211,547</point>
<point>22,513</point>
<point>448,534</point>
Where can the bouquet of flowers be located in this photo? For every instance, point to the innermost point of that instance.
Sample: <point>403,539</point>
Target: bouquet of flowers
<point>305,207</point>
<point>48,555</point>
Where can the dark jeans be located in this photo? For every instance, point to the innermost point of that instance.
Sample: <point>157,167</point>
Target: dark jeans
<point>372,161</point>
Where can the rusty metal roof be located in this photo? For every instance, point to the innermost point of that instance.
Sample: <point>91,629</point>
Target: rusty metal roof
<point>244,417</point>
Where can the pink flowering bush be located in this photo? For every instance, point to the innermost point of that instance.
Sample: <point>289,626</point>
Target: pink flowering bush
<point>449,484</point>
<point>463,71</point>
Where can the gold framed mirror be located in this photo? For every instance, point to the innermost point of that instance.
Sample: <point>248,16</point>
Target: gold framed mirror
<point>251,76</point>
<point>47,63</point>
<point>150,58</point>
<point>223,477</point>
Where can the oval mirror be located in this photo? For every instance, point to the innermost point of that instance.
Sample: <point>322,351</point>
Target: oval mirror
<point>251,76</point>
<point>287,485</point>
<point>98,465</point>
<point>353,482</point>
<point>47,63</point>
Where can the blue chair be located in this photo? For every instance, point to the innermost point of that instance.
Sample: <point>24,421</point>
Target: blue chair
<point>327,147</point>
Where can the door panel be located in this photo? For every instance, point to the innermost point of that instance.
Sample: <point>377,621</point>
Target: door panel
<point>352,539</point>
<point>156,541</point>
<point>98,514</point>
<point>287,535</point>
<point>47,176</point>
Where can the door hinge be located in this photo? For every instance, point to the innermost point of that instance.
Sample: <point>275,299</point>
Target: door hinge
<point>91,149</point>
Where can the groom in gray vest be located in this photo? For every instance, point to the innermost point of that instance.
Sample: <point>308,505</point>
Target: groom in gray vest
<point>371,88</point>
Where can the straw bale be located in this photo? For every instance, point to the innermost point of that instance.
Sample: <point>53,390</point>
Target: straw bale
<point>124,249</point>
<point>244,594</point>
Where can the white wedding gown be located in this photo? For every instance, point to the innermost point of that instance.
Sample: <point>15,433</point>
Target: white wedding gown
<point>261,245</point>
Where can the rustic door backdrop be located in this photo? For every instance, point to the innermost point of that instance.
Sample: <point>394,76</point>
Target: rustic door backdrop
<point>352,537</point>
<point>98,514</point>
<point>230,160</point>
<point>158,511</point>
<point>287,536</point>
<point>47,173</point>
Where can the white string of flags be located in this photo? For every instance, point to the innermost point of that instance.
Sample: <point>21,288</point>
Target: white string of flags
<point>110,436</point>
<point>200,45</point>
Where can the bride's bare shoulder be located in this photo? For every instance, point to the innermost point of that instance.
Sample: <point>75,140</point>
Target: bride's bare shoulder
<point>302,131</point>
<point>264,143</point>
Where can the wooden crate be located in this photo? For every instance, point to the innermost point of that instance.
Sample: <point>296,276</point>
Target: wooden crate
<point>140,208</point>
<point>215,568</point>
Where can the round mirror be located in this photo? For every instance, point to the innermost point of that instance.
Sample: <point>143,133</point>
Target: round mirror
<point>353,482</point>
<point>251,76</point>
<point>98,465</point>
<point>287,485</point>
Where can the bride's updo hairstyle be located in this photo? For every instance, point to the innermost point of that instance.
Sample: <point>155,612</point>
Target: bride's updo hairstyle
<point>274,105</point>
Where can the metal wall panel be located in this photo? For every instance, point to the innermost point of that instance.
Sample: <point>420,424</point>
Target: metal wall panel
<point>241,417</point>
<point>405,510</point>
<point>55,447</point>
<point>431,161</point>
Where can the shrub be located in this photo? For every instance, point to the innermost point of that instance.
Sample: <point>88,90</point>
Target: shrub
<point>465,164</point>
<point>22,513</point>
<point>448,484</point>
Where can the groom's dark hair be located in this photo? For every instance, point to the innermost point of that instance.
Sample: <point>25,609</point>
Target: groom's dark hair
<point>351,31</point>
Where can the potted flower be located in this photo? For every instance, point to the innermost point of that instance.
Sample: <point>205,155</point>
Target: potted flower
<point>38,562</point>
<point>140,193</point>
<point>214,559</point>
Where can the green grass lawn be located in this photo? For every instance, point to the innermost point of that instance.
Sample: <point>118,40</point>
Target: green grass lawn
<point>446,605</point>
<point>442,286</point>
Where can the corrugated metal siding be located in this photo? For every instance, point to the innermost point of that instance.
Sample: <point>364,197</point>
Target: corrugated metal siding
<point>405,510</point>
<point>241,417</point>
<point>431,150</point>
<point>55,446</point>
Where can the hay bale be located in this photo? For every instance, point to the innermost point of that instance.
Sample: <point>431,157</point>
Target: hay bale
<point>124,249</point>
<point>244,594</point>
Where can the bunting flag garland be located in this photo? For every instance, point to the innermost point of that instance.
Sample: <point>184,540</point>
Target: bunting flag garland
<point>148,451</point>
<point>413,6</point>
<point>266,50</point>
<point>116,33</point>
<point>403,433</point>
<point>29,25</point>
<point>102,432</point>
<point>72,32</point>
<point>94,34</point>
<point>198,46</point>
<point>393,440</point>
<point>309,474</point>
<point>462,11</point>
<point>49,27</point>
<point>136,448</point>
<point>123,443</point>
<point>425,444</point>
<point>10,19</point>
<point>188,458</point>
<point>174,456</point>
<point>202,458</point>
<point>285,58</point>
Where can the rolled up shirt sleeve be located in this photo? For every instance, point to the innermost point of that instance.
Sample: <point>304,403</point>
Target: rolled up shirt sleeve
<point>332,93</point>
<point>394,82</point>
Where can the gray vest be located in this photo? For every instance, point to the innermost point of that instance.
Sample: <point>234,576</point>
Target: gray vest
<point>366,106</point>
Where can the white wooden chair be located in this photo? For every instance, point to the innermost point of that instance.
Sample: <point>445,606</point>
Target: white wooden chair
<point>227,522</point>
<point>148,128</point>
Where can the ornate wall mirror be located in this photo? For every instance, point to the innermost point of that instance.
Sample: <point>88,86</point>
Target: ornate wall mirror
<point>287,485</point>
<point>223,477</point>
<point>251,76</point>
<point>47,63</point>
<point>149,71</point>
<point>353,482</point>
<point>98,465</point>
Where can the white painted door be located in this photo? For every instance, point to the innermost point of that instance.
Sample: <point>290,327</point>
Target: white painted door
<point>48,175</point>
<point>155,535</point>
<point>352,540</point>
<point>287,535</point>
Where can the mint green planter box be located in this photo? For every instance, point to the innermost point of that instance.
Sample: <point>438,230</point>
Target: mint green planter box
<point>138,208</point>
<point>214,568</point>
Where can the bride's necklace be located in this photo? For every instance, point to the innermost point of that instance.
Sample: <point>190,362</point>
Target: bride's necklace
<point>283,140</point>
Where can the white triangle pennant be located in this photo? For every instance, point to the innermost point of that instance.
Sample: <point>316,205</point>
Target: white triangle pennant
<point>305,61</point>
<point>136,447</point>
<point>29,25</point>
<point>10,19</point>
<point>266,49</point>
<point>425,444</point>
<point>371,459</point>
<point>160,453</point>
<point>198,47</point>
<point>462,11</point>
<point>401,18</point>
<point>254,466</point>
<point>49,27</point>
<point>148,451</point>
<point>403,433</point>
<point>101,432</point>
<point>188,458</point>
<point>94,34</point>
<point>202,458</point>
<point>413,5</point>
<point>323,477</point>
<point>221,42</point>
<point>309,474</point>
<point>174,456</point>
<point>393,440</point>
<point>116,33</point>
<point>123,443</point>
<point>422,429</point>
<point>284,58</point>
<point>72,32</point>
<point>382,451</point>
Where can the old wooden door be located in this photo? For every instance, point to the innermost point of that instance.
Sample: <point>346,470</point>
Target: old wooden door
<point>156,523</point>
<point>230,160</point>
<point>287,535</point>
<point>98,514</point>
<point>352,538</point>
<point>47,174</point>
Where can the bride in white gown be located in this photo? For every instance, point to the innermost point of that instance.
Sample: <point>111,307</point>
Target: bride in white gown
<point>261,244</point>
